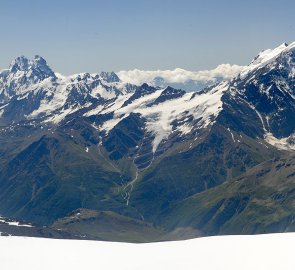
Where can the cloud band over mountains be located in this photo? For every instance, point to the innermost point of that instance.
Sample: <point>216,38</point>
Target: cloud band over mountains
<point>178,75</point>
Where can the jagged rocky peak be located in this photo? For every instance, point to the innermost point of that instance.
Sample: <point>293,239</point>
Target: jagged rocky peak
<point>36,68</point>
<point>171,91</point>
<point>109,77</point>
<point>23,63</point>
<point>23,75</point>
<point>40,63</point>
<point>20,63</point>
<point>81,77</point>
<point>145,89</point>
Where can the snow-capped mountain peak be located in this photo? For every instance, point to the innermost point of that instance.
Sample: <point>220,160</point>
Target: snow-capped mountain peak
<point>265,57</point>
<point>266,86</point>
<point>109,77</point>
<point>37,65</point>
<point>24,76</point>
<point>40,63</point>
<point>20,63</point>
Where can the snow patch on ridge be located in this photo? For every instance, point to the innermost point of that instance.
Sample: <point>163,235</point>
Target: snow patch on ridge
<point>287,143</point>
<point>14,223</point>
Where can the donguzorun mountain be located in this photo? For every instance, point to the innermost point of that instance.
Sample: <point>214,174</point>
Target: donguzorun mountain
<point>88,156</point>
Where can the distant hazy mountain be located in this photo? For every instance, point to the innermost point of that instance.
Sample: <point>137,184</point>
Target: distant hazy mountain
<point>92,155</point>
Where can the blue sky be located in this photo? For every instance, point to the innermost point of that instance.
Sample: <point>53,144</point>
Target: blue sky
<point>88,35</point>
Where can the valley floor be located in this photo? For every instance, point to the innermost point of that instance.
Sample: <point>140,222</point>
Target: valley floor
<point>272,251</point>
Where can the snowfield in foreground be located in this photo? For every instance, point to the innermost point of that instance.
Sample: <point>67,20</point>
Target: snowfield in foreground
<point>273,251</point>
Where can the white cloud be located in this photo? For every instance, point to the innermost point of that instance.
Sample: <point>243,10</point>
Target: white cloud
<point>178,75</point>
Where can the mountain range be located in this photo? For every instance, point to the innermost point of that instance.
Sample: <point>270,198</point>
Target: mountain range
<point>94,157</point>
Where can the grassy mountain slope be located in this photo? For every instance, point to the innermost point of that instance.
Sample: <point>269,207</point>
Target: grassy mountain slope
<point>262,200</point>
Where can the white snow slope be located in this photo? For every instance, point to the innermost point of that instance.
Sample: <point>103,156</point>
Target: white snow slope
<point>260,252</point>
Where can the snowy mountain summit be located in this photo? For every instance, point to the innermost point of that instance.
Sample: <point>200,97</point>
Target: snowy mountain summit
<point>22,74</point>
<point>118,150</point>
